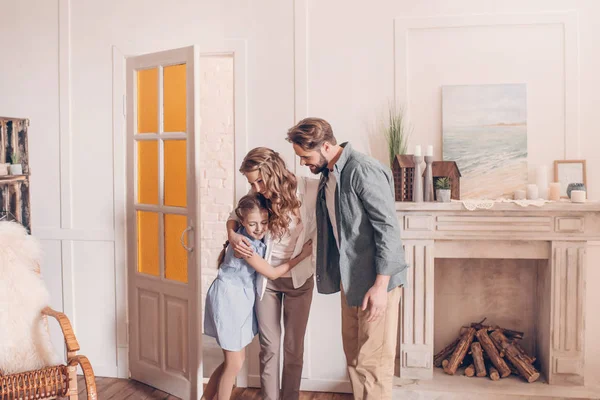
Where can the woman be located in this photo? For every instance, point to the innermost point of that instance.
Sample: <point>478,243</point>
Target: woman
<point>292,205</point>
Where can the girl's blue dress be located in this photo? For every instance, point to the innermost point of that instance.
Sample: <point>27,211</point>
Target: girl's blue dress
<point>229,314</point>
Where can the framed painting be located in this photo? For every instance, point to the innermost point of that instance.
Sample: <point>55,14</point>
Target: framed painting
<point>484,131</point>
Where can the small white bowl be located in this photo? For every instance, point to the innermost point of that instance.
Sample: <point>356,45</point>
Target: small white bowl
<point>578,196</point>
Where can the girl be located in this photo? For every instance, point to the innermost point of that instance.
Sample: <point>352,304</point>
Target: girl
<point>229,315</point>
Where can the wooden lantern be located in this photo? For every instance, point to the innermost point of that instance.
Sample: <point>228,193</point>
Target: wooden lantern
<point>403,170</point>
<point>448,169</point>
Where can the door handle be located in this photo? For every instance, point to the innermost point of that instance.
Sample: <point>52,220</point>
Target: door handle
<point>188,229</point>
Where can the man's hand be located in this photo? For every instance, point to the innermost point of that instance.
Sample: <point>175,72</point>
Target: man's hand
<point>376,301</point>
<point>241,245</point>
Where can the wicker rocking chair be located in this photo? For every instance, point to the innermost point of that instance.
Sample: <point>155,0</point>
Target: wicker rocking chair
<point>55,381</point>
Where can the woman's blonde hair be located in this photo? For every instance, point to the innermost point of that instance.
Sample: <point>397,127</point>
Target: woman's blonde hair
<point>280,187</point>
<point>247,204</point>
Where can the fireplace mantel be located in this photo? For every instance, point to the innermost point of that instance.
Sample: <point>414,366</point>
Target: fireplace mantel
<point>558,232</point>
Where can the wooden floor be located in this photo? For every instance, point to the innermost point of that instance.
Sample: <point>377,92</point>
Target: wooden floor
<point>120,389</point>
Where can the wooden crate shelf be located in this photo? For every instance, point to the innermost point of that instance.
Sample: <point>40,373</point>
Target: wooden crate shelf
<point>14,189</point>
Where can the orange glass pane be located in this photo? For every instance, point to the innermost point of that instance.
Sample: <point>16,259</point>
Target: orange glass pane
<point>147,243</point>
<point>147,101</point>
<point>147,171</point>
<point>175,173</point>
<point>175,255</point>
<point>174,98</point>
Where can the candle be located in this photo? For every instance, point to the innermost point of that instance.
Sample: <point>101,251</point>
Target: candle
<point>542,181</point>
<point>418,150</point>
<point>519,195</point>
<point>554,191</point>
<point>429,151</point>
<point>578,196</point>
<point>532,192</point>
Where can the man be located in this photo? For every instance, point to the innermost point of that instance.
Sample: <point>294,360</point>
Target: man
<point>359,252</point>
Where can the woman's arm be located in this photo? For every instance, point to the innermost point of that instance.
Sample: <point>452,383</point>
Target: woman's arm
<point>266,269</point>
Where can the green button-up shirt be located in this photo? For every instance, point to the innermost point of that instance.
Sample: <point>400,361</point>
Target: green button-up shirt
<point>368,229</point>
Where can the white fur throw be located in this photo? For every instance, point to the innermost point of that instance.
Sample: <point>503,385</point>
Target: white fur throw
<point>24,340</point>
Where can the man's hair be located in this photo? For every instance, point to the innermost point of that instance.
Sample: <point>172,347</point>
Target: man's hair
<point>311,133</point>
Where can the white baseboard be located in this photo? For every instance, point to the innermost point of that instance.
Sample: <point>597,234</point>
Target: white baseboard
<point>104,371</point>
<point>123,362</point>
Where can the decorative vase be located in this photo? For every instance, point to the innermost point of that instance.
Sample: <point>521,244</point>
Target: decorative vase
<point>428,178</point>
<point>16,169</point>
<point>575,186</point>
<point>418,180</point>
<point>443,195</point>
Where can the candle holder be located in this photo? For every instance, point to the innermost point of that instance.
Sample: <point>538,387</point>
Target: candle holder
<point>418,180</point>
<point>554,191</point>
<point>428,178</point>
<point>541,181</point>
<point>520,194</point>
<point>532,192</point>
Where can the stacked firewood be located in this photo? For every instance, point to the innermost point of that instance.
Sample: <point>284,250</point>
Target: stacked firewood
<point>487,351</point>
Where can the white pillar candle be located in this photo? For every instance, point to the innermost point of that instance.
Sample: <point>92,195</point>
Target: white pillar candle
<point>541,180</point>
<point>418,150</point>
<point>429,151</point>
<point>519,195</point>
<point>532,192</point>
<point>578,196</point>
<point>554,191</point>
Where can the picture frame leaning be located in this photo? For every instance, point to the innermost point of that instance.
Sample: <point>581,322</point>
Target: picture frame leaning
<point>569,171</point>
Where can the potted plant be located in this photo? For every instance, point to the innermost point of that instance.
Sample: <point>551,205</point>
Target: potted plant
<point>442,189</point>
<point>396,133</point>
<point>16,168</point>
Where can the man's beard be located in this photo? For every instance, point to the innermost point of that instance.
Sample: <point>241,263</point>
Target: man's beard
<point>322,164</point>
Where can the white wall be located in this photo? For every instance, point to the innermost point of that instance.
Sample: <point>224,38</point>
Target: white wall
<point>336,59</point>
<point>29,89</point>
<point>352,73</point>
<point>68,45</point>
<point>218,171</point>
<point>346,69</point>
<point>333,59</point>
<point>350,63</point>
<point>268,26</point>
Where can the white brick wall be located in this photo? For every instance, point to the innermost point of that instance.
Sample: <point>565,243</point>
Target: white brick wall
<point>217,160</point>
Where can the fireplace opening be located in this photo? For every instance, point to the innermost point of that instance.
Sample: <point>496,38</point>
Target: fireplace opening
<point>511,294</point>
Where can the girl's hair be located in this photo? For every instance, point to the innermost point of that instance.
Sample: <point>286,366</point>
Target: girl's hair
<point>247,204</point>
<point>280,187</point>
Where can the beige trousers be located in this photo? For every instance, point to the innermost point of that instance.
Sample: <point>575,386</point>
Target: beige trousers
<point>280,294</point>
<point>370,348</point>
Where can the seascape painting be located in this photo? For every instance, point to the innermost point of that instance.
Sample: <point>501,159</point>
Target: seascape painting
<point>485,132</point>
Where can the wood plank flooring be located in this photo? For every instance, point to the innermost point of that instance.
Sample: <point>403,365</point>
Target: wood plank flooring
<point>121,389</point>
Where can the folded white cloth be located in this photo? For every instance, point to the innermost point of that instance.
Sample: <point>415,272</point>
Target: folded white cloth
<point>485,204</point>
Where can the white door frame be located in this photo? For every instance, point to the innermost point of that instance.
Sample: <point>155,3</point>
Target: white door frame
<point>237,47</point>
<point>120,209</point>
